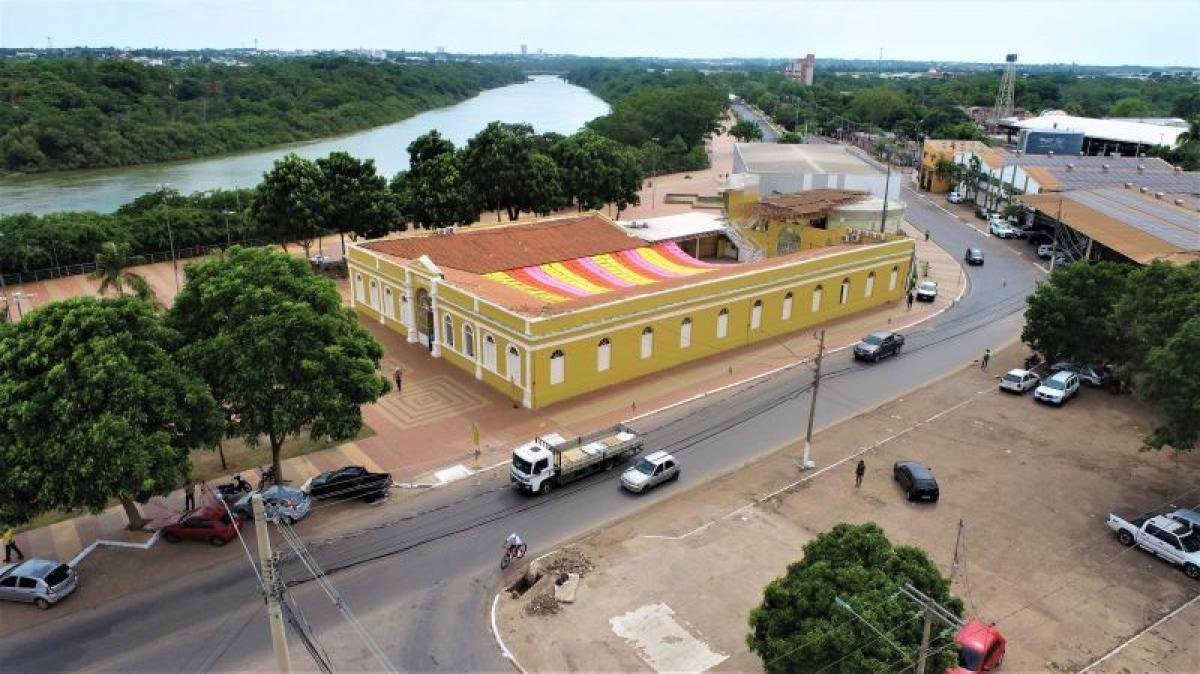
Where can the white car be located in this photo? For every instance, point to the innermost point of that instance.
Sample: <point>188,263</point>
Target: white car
<point>1018,381</point>
<point>1045,251</point>
<point>1058,388</point>
<point>1000,228</point>
<point>927,291</point>
<point>954,198</point>
<point>652,470</point>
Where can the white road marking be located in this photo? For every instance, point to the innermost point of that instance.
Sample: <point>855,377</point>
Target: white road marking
<point>1137,636</point>
<point>500,642</point>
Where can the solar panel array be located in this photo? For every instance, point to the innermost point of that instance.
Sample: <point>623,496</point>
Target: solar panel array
<point>1160,220</point>
<point>1088,161</point>
<point>1178,182</point>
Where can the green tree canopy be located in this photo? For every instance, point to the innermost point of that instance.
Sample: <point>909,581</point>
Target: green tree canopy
<point>93,407</point>
<point>745,131</point>
<point>597,171</point>
<point>1071,315</point>
<point>355,198</point>
<point>435,191</point>
<point>1171,385</point>
<point>276,347</point>
<point>799,626</point>
<point>497,161</point>
<point>290,204</point>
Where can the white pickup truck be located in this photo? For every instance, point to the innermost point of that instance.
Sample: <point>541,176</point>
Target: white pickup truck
<point>1172,539</point>
<point>542,464</point>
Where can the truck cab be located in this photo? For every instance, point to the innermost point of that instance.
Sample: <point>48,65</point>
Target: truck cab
<point>533,463</point>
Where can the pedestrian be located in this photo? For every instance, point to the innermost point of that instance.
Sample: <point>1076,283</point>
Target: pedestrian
<point>189,496</point>
<point>910,300</point>
<point>10,545</point>
<point>398,375</point>
<point>987,355</point>
<point>859,471</point>
<point>927,235</point>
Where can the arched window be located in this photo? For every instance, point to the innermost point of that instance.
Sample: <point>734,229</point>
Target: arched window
<point>448,331</point>
<point>816,299</point>
<point>722,323</point>
<point>405,310</point>
<point>685,333</point>
<point>870,287</point>
<point>756,315</point>
<point>558,367</point>
<point>788,241</point>
<point>359,292</point>
<point>895,277</point>
<point>786,314</point>
<point>647,342</point>
<point>489,352</point>
<point>374,295</point>
<point>468,341</point>
<point>603,355</point>
<point>845,295</point>
<point>512,365</point>
<point>389,306</point>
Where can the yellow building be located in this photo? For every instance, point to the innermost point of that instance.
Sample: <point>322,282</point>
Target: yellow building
<point>555,308</point>
<point>934,150</point>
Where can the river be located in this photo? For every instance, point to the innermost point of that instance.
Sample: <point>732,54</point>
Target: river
<point>548,103</point>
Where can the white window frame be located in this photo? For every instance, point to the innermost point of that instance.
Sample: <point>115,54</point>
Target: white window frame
<point>603,355</point>
<point>406,314</point>
<point>647,342</point>
<point>844,294</point>
<point>448,330</point>
<point>512,364</point>
<point>360,291</point>
<point>785,314</point>
<point>870,287</point>
<point>558,367</point>
<point>895,277</point>
<point>685,333</point>
<point>722,323</point>
<point>374,294</point>
<point>756,315</point>
<point>389,302</point>
<point>468,340</point>
<point>816,298</point>
<point>489,352</point>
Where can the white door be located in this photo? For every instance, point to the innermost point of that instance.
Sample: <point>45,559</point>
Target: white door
<point>603,355</point>
<point>787,307</point>
<point>489,353</point>
<point>512,365</point>
<point>647,343</point>
<point>722,323</point>
<point>558,367</point>
<point>756,315</point>
<point>685,333</point>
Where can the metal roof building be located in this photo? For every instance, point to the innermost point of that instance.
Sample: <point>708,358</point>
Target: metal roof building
<point>1102,136</point>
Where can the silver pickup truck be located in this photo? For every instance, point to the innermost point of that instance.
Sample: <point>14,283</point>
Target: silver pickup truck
<point>1172,539</point>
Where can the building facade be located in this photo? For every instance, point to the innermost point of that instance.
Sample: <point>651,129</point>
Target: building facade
<point>557,308</point>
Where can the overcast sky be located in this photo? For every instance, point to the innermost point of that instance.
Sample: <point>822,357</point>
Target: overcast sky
<point>1145,32</point>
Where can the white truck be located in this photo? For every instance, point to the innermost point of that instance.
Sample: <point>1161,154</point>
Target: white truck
<point>541,464</point>
<point>1172,539</point>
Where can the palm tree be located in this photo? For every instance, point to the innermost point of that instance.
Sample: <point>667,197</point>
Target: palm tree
<point>112,269</point>
<point>1192,135</point>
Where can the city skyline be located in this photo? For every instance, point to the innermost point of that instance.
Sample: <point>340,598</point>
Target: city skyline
<point>1072,32</point>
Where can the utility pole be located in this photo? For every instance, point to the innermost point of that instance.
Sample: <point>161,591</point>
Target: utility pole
<point>887,183</point>
<point>956,565</point>
<point>806,463</point>
<point>162,188</point>
<point>272,588</point>
<point>924,652</point>
<point>932,610</point>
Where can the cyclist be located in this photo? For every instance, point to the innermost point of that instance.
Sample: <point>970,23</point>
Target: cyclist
<point>513,545</point>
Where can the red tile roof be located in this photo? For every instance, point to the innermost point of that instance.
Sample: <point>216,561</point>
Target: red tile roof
<point>482,251</point>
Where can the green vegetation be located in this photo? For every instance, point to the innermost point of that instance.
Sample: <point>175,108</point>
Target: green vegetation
<point>93,406</point>
<point>1143,321</point>
<point>665,116</point>
<point>77,113</point>
<point>746,130</point>
<point>799,626</point>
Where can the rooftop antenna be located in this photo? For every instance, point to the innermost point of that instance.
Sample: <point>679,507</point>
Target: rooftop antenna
<point>1004,96</point>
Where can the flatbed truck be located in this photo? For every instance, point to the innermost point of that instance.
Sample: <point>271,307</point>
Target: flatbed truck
<point>540,465</point>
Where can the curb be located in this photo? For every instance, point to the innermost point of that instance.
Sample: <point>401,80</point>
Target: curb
<point>504,652</point>
<point>115,544</point>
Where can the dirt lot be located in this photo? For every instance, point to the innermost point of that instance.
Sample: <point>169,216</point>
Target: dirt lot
<point>672,586</point>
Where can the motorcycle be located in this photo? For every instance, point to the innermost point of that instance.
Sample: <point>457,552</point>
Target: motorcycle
<point>268,477</point>
<point>510,554</point>
<point>1032,361</point>
<point>230,492</point>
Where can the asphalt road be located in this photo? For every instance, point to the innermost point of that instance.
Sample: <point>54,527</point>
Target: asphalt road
<point>422,586</point>
<point>743,111</point>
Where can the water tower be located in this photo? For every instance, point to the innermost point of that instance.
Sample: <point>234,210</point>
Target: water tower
<point>1004,96</point>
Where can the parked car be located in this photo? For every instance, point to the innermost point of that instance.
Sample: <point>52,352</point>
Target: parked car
<point>1000,228</point>
<point>982,213</point>
<point>652,470</point>
<point>954,198</point>
<point>1168,538</point>
<point>41,582</point>
<point>348,482</point>
<point>1045,251</point>
<point>1058,388</point>
<point>878,345</point>
<point>281,503</point>
<point>1036,237</point>
<point>974,256</point>
<point>927,291</point>
<point>1019,381</point>
<point>980,648</point>
<point>1189,515</point>
<point>1095,376</point>
<point>917,481</point>
<point>209,523</point>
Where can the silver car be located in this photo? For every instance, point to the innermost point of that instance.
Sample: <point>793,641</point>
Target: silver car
<point>282,503</point>
<point>41,582</point>
<point>652,470</point>
<point>1019,381</point>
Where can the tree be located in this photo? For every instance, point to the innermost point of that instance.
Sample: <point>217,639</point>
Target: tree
<point>746,130</point>
<point>627,181</point>
<point>1130,106</point>
<point>946,169</point>
<point>1071,315</point>
<point>596,171</point>
<point>496,161</point>
<point>289,204</point>
<point>435,191</point>
<point>542,191</point>
<point>1161,297</point>
<point>93,407</point>
<point>799,627</point>
<point>1171,385</point>
<point>355,198</point>
<point>790,138</point>
<point>112,269</point>
<point>276,347</point>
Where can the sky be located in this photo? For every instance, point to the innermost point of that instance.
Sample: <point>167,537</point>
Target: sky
<point>1094,32</point>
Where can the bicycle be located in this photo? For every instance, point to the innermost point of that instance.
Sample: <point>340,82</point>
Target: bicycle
<point>510,554</point>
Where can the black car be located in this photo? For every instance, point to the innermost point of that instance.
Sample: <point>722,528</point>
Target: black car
<point>981,212</point>
<point>974,256</point>
<point>349,482</point>
<point>878,345</point>
<point>917,480</point>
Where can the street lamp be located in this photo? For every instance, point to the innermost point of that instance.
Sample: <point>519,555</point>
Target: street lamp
<point>162,188</point>
<point>228,241</point>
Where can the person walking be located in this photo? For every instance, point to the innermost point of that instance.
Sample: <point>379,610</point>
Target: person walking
<point>398,376</point>
<point>859,471</point>
<point>189,496</point>
<point>10,545</point>
<point>983,362</point>
<point>910,300</point>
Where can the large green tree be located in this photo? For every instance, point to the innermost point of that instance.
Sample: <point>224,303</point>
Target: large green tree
<point>799,627</point>
<point>497,161</point>
<point>355,198</point>
<point>1171,385</point>
<point>435,191</point>
<point>94,407</point>
<point>112,270</point>
<point>290,203</point>
<point>596,171</point>
<point>542,191</point>
<point>745,131</point>
<point>1071,315</point>
<point>279,351</point>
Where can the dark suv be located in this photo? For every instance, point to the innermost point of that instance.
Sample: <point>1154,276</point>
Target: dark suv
<point>974,256</point>
<point>917,481</point>
<point>878,345</point>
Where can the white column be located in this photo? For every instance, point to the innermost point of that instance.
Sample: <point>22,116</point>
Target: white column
<point>435,330</point>
<point>409,310</point>
<point>528,399</point>
<point>478,339</point>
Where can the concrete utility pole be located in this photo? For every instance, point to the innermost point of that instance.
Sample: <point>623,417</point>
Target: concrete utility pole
<point>956,565</point>
<point>806,463</point>
<point>271,588</point>
<point>932,610</point>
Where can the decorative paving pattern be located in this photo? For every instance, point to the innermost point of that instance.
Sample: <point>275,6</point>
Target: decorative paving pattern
<point>429,400</point>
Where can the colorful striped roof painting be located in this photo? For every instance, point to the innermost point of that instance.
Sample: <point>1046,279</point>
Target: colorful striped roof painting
<point>589,276</point>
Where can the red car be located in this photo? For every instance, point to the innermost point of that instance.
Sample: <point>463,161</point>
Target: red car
<point>980,648</point>
<point>210,523</point>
